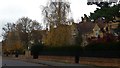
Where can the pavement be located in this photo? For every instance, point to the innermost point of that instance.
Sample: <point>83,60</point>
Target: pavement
<point>53,63</point>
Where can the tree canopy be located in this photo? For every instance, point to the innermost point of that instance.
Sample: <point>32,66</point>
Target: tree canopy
<point>106,11</point>
<point>23,32</point>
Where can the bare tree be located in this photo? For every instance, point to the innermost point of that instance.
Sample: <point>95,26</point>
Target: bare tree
<point>56,12</point>
<point>26,27</point>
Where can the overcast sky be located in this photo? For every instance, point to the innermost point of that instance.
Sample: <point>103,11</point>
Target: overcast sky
<point>12,10</point>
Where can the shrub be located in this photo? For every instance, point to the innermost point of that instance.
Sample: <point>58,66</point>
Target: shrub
<point>103,49</point>
<point>63,50</point>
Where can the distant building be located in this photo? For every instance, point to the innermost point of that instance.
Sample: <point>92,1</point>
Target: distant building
<point>95,30</point>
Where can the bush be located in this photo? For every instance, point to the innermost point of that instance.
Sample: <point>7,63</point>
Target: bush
<point>63,50</point>
<point>110,46</point>
<point>102,49</point>
<point>95,46</point>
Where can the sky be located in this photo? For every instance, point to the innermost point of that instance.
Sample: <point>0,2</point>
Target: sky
<point>12,10</point>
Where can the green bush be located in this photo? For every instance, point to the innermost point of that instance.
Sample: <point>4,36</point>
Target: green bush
<point>102,46</point>
<point>63,48</point>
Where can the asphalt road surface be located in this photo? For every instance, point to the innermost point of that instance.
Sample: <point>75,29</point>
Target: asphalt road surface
<point>7,62</point>
<point>11,63</point>
<point>21,64</point>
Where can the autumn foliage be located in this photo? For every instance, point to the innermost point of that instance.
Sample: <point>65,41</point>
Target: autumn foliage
<point>58,36</point>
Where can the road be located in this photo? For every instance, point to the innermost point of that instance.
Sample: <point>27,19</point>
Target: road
<point>9,62</point>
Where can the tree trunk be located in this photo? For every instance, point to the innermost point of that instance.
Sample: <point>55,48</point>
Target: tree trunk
<point>76,59</point>
<point>35,56</point>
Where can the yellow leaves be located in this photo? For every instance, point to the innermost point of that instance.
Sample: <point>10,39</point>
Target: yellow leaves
<point>14,46</point>
<point>59,36</point>
<point>6,48</point>
<point>17,46</point>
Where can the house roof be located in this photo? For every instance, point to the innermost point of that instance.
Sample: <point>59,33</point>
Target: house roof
<point>101,25</point>
<point>88,26</point>
<point>85,27</point>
